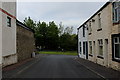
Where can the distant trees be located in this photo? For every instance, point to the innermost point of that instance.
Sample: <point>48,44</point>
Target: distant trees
<point>51,36</point>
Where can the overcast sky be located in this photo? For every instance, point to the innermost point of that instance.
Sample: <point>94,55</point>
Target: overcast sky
<point>69,13</point>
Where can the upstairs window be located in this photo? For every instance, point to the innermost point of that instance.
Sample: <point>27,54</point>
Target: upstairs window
<point>8,21</point>
<point>90,29</point>
<point>99,21</point>
<point>116,12</point>
<point>83,30</point>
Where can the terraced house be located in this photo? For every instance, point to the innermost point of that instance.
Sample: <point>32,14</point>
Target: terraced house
<point>8,33</point>
<point>103,36</point>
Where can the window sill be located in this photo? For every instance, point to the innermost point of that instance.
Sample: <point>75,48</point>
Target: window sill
<point>90,33</point>
<point>117,60</point>
<point>91,55</point>
<point>116,23</point>
<point>99,29</point>
<point>101,57</point>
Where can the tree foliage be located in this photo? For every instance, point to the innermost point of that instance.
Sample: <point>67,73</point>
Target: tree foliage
<point>51,36</point>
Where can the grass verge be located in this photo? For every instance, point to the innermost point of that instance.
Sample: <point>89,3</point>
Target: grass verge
<point>60,53</point>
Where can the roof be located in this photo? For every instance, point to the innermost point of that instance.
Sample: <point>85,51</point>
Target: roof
<point>106,4</point>
<point>24,26</point>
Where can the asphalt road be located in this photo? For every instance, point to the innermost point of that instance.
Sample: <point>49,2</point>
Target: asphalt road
<point>54,66</point>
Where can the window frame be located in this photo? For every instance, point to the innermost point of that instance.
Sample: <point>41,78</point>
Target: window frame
<point>90,28</point>
<point>80,47</point>
<point>116,10</point>
<point>99,21</point>
<point>115,47</point>
<point>90,47</point>
<point>8,21</point>
<point>83,30</point>
<point>100,44</point>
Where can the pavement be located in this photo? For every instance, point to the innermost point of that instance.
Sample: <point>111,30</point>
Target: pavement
<point>60,66</point>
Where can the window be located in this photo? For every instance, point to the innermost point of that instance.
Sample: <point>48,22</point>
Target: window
<point>84,48</point>
<point>80,48</point>
<point>90,46</point>
<point>99,21</point>
<point>8,21</point>
<point>116,12</point>
<point>83,30</point>
<point>116,45</point>
<point>90,29</point>
<point>100,47</point>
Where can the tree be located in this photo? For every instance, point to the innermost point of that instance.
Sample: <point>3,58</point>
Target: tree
<point>52,36</point>
<point>30,23</point>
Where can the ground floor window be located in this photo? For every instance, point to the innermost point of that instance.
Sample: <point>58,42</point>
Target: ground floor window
<point>80,47</point>
<point>116,47</point>
<point>90,47</point>
<point>100,47</point>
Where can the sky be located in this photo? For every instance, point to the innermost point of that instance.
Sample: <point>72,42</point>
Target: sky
<point>69,13</point>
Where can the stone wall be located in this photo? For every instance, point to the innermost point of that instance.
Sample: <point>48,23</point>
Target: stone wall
<point>25,43</point>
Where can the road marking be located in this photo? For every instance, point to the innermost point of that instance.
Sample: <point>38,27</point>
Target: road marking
<point>92,70</point>
<point>19,72</point>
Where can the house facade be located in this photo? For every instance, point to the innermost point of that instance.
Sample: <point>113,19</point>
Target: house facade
<point>83,41</point>
<point>104,36</point>
<point>0,35</point>
<point>8,33</point>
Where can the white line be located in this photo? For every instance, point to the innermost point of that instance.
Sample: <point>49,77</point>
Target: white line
<point>93,71</point>
<point>19,72</point>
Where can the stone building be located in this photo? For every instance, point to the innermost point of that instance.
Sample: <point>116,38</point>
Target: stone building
<point>25,41</point>
<point>104,36</point>
<point>8,33</point>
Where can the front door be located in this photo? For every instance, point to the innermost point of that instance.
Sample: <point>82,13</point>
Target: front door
<point>85,50</point>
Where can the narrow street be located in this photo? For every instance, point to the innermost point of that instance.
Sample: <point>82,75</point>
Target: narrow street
<point>52,66</point>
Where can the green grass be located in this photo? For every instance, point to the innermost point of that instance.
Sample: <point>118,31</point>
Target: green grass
<point>60,53</point>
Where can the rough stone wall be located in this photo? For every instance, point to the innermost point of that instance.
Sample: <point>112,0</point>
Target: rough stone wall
<point>25,43</point>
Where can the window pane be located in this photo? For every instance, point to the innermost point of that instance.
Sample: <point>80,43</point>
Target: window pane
<point>117,50</point>
<point>115,40</point>
<point>101,50</point>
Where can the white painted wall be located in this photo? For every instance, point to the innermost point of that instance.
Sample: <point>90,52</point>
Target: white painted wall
<point>82,39</point>
<point>0,35</point>
<point>9,34</point>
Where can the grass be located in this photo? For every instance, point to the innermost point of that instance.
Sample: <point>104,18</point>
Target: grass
<point>58,52</point>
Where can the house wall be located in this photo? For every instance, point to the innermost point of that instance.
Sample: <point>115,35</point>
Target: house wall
<point>9,34</point>
<point>102,34</point>
<point>82,39</point>
<point>0,35</point>
<point>108,28</point>
<point>25,43</point>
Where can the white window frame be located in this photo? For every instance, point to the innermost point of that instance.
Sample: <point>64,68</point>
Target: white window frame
<point>100,44</point>
<point>90,47</point>
<point>118,42</point>
<point>99,21</point>
<point>90,27</point>
<point>116,10</point>
<point>8,21</point>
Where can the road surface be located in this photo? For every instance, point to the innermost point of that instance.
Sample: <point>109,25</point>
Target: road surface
<point>54,66</point>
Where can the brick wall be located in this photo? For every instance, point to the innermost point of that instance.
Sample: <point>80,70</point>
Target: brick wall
<point>25,43</point>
